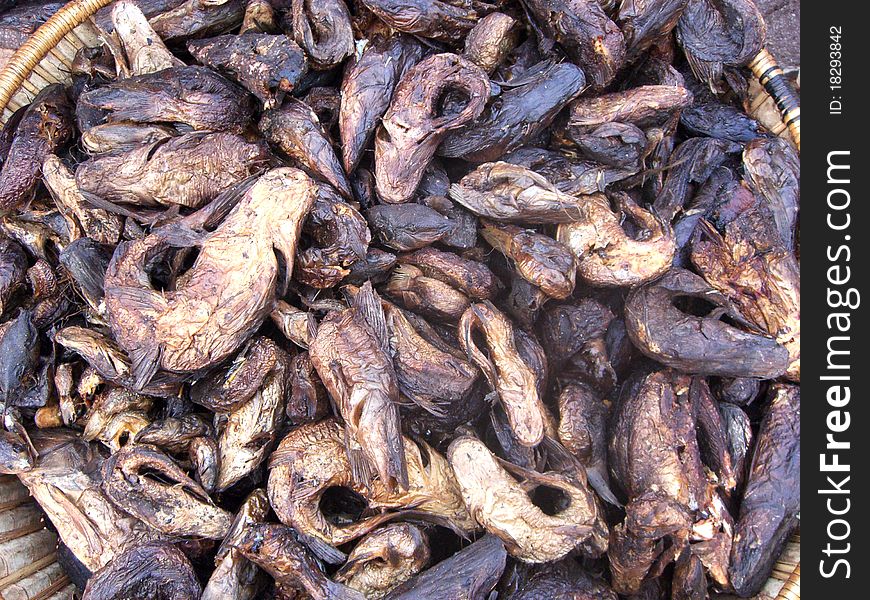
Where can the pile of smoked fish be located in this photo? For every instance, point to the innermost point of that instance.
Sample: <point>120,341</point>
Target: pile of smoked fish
<point>432,299</point>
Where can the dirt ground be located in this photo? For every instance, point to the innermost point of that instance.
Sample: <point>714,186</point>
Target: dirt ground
<point>783,30</point>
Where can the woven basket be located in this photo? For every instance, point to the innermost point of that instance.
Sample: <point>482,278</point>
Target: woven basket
<point>45,58</point>
<point>28,570</point>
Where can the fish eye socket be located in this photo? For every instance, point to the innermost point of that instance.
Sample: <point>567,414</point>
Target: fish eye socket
<point>550,500</point>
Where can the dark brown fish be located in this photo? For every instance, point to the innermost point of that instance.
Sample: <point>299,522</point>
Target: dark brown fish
<point>426,374</point>
<point>643,106</point>
<point>565,579</point>
<point>430,297</point>
<point>147,484</point>
<point>174,433</point>
<point>340,237</point>
<point>569,175</point>
<point>719,33</point>
<point>517,115</point>
<point>235,577</point>
<point>323,29</point>
<point>773,170</point>
<point>13,270</point>
<point>351,355</point>
<point>771,502</point>
<point>470,574</point>
<point>469,276</point>
<point>150,175</point>
<point>693,344</point>
<point>408,226</point>
<point>265,65</point>
<point>46,125</point>
<point>586,33</point>
<point>750,264</point>
<point>178,20</point>
<point>647,22</point>
<point>19,354</point>
<point>445,21</point>
<point>194,96</point>
<point>583,419</point>
<point>308,401</point>
<point>367,88</point>
<point>112,137</point>
<point>417,121</point>
<point>276,549</point>
<point>295,130</point>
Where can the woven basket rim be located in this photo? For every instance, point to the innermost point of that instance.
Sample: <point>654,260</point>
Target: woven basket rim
<point>40,43</point>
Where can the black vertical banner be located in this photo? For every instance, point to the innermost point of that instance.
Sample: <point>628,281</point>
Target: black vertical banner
<point>835,267</point>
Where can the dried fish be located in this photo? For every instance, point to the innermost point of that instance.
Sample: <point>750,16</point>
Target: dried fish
<point>193,96</point>
<point>771,503</point>
<point>517,115</point>
<point>13,269</point>
<point>311,463</point>
<point>407,226</point>
<point>323,29</point>
<point>295,130</point>
<point>232,302</point>
<point>446,21</point>
<point>144,482</point>
<point>503,507</point>
<point>505,370</point>
<point>418,120</point>
<point>470,574</point>
<point>112,137</point>
<point>188,170</point>
<point>698,344</point>
<point>539,259</point>
<point>428,296</point>
<point>265,65</point>
<point>276,549</point>
<point>367,88</point>
<point>607,256</point>
<point>251,429</point>
<point>154,570</point>
<point>586,33</point>
<point>234,577</point>
<point>505,192</point>
<point>384,559</point>
<point>45,126</point>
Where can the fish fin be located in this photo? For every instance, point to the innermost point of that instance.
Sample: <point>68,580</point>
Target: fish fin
<point>322,550</point>
<point>426,404</point>
<point>439,520</point>
<point>143,300</point>
<point>215,211</point>
<point>311,322</point>
<point>599,483</point>
<point>144,362</point>
<point>548,479</point>
<point>109,206</point>
<point>368,305</point>
<point>398,466</point>
<point>360,466</point>
<point>179,235</point>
